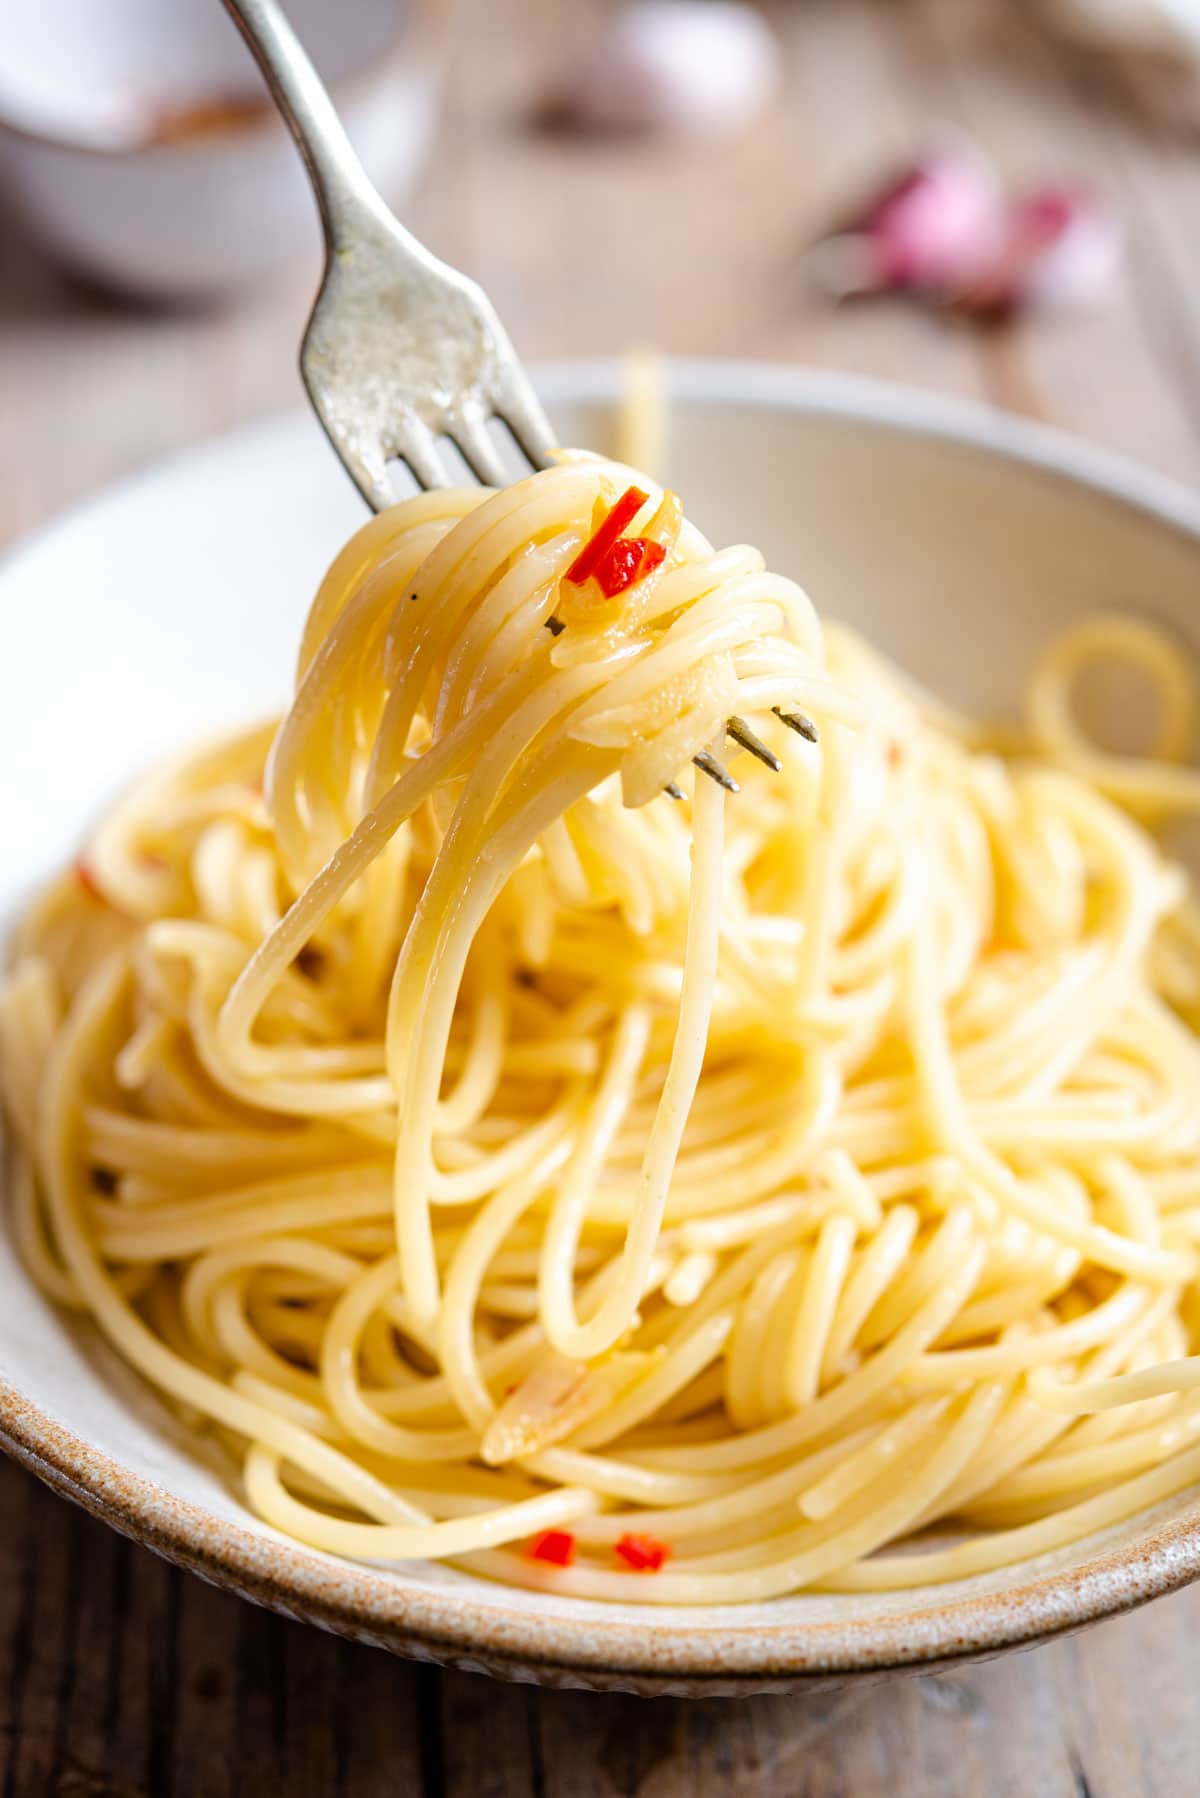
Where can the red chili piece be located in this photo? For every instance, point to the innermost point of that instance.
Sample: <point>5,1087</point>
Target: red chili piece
<point>627,561</point>
<point>555,1546</point>
<point>87,880</point>
<point>605,535</point>
<point>645,1554</point>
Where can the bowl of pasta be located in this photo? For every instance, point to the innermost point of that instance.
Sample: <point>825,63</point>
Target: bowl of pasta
<point>594,1102</point>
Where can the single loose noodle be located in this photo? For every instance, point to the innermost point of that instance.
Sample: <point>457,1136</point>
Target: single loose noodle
<point>644,1199</point>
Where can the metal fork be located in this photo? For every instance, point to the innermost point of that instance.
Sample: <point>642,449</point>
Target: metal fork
<point>402,350</point>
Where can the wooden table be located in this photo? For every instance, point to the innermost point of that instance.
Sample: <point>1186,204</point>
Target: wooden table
<point>121,1676</point>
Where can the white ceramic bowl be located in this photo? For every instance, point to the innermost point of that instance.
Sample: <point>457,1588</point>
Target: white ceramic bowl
<point>172,605</point>
<point>90,89</point>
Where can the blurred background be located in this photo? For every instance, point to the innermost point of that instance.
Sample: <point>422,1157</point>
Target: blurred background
<point>1014,184</point>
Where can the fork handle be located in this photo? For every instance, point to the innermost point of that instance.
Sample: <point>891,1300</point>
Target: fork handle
<point>345,193</point>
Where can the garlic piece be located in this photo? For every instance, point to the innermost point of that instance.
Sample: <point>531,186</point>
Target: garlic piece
<point>930,230</point>
<point>701,67</point>
<point>1062,248</point>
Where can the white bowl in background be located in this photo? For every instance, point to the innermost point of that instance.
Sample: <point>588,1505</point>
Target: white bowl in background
<point>138,140</point>
<point>172,605</point>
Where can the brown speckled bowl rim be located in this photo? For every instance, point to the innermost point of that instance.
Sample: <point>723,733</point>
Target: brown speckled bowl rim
<point>447,1623</point>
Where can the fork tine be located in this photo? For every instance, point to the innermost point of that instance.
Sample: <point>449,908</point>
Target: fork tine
<point>368,471</point>
<point>804,727</point>
<point>360,455</point>
<point>741,733</point>
<point>416,445</point>
<point>470,435</point>
<point>708,764</point>
<point>518,407</point>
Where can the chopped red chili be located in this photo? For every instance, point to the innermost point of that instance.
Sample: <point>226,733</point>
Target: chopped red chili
<point>617,568</point>
<point>627,561</point>
<point>87,879</point>
<point>555,1546</point>
<point>645,1554</point>
<point>605,535</point>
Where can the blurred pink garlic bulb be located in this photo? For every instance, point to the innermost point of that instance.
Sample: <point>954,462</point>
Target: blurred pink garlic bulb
<point>703,67</point>
<point>944,231</point>
<point>931,229</point>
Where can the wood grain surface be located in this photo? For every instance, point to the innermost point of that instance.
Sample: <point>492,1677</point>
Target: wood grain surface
<point>120,1676</point>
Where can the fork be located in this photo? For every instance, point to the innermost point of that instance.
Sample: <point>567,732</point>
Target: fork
<point>401,350</point>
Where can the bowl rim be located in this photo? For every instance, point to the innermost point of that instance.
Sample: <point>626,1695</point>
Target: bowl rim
<point>417,38</point>
<point>594,1646</point>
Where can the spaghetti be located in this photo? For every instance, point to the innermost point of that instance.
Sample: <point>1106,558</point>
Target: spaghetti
<point>687,1202</point>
